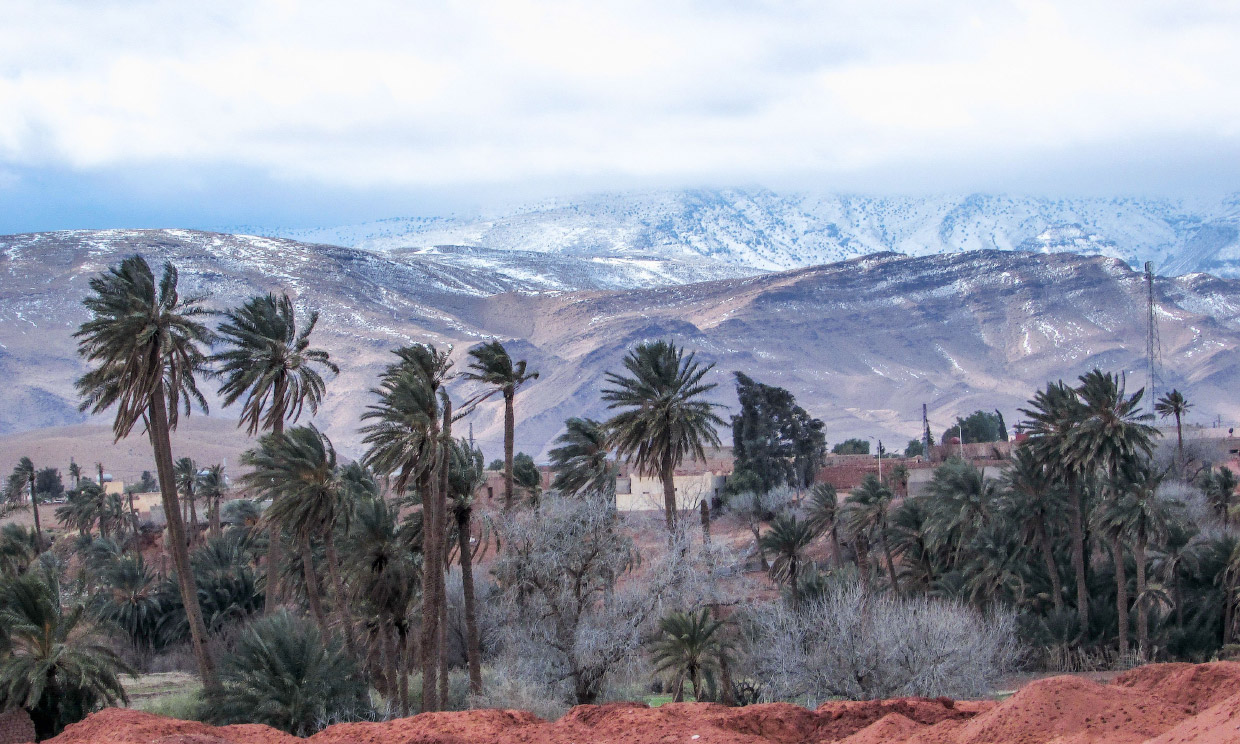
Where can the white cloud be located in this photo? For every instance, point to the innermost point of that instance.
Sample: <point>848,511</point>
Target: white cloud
<point>393,93</point>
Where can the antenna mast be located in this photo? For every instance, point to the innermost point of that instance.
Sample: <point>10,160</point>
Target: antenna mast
<point>1153,348</point>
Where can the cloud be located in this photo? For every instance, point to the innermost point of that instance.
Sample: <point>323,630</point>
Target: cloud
<point>416,95</point>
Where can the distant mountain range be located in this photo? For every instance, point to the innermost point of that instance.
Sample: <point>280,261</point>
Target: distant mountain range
<point>862,343</point>
<point>752,231</point>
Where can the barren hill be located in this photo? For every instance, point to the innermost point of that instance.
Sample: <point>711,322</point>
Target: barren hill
<point>861,343</point>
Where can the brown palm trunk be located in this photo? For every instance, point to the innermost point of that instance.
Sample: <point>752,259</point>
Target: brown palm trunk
<point>705,508</point>
<point>473,645</point>
<point>216,527</point>
<point>1121,593</point>
<point>1179,439</point>
<point>1052,568</point>
<point>510,433</point>
<point>38,527</point>
<point>314,596</point>
<point>432,574</point>
<point>275,548</point>
<point>446,434</point>
<point>1078,561</point>
<point>835,545</point>
<point>667,475</point>
<point>891,566</point>
<point>342,600</point>
<point>863,559</point>
<point>193,518</point>
<point>158,429</point>
<point>1143,614</point>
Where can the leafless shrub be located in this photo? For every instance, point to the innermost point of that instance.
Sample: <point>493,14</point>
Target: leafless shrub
<point>858,645</point>
<point>573,615</point>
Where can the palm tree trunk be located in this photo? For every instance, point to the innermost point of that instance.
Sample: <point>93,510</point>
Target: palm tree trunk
<point>1143,614</point>
<point>667,475</point>
<point>38,528</point>
<point>157,426</point>
<point>863,560</point>
<point>1075,508</point>
<point>442,642</point>
<point>473,645</point>
<point>193,518</point>
<point>891,567</point>
<point>402,670</point>
<point>1052,568</point>
<point>705,508</point>
<point>313,593</point>
<point>342,601</point>
<point>275,547</point>
<point>835,545</point>
<point>432,570</point>
<point>1121,593</point>
<point>1179,440</point>
<point>216,527</point>
<point>510,433</point>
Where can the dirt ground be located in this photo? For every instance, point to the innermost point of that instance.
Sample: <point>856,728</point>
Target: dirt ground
<point>1155,704</point>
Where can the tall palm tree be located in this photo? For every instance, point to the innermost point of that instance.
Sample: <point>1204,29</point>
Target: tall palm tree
<point>57,666</point>
<point>187,485</point>
<point>1174,404</point>
<point>268,362</point>
<point>1112,428</point>
<point>1051,418</point>
<point>404,439</point>
<point>465,476</point>
<point>788,538</point>
<point>1035,502</point>
<point>1137,510</point>
<point>823,516</point>
<point>580,461</point>
<point>491,365</point>
<point>689,644</point>
<point>866,512</point>
<point>897,479</point>
<point>23,477</point>
<point>1109,524</point>
<point>309,499</point>
<point>145,342</point>
<point>664,417</point>
<point>211,486</point>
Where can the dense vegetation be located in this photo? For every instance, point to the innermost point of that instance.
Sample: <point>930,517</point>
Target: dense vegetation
<point>343,590</point>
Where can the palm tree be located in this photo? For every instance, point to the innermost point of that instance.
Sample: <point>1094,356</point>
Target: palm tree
<point>465,475</point>
<point>1219,487</point>
<point>145,340</point>
<point>824,516</point>
<point>1137,510</point>
<point>865,512</point>
<point>1035,503</point>
<point>269,362</point>
<point>23,477</point>
<point>18,549</point>
<point>491,365</point>
<point>132,600</point>
<point>289,676</point>
<point>689,644</point>
<point>384,576</point>
<point>580,461</point>
<point>56,666</point>
<point>1112,428</point>
<point>211,486</point>
<point>1052,416</point>
<point>665,418</point>
<point>405,439</point>
<point>75,473</point>
<point>310,499</point>
<point>963,503</point>
<point>788,539</point>
<point>1108,522</point>
<point>187,483</point>
<point>1174,404</point>
<point>897,479</point>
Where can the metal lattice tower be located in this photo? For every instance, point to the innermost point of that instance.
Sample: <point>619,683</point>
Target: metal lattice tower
<point>1153,348</point>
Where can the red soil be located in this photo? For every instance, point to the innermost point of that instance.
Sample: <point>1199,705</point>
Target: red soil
<point>1157,704</point>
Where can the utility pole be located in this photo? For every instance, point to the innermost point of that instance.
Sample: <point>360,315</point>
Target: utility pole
<point>1153,350</point>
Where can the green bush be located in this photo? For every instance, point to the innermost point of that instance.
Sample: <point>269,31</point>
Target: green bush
<point>286,675</point>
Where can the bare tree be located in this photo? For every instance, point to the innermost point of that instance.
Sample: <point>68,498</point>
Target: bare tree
<point>860,645</point>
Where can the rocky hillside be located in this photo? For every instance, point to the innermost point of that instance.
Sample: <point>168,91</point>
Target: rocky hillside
<point>861,343</point>
<point>761,230</point>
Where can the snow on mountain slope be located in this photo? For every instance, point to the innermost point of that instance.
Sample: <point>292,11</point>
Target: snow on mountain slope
<point>767,231</point>
<point>861,343</point>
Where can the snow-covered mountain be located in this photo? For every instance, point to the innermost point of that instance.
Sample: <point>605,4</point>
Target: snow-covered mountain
<point>760,230</point>
<point>861,343</point>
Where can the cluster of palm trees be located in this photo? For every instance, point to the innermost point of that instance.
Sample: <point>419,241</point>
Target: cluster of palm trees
<point>1080,506</point>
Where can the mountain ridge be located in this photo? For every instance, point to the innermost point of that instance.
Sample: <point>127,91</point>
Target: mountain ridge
<point>861,343</point>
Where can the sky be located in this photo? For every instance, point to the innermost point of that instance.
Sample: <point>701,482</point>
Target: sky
<point>281,113</point>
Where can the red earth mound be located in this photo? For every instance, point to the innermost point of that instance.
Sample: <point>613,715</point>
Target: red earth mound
<point>1157,704</point>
